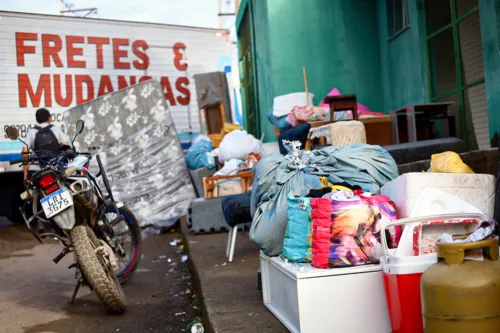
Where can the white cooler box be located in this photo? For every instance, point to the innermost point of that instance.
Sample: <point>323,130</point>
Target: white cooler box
<point>338,300</point>
<point>475,189</point>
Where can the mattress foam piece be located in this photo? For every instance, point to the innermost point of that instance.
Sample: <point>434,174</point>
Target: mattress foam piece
<point>475,189</point>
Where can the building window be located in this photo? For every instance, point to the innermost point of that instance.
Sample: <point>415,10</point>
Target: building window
<point>397,17</point>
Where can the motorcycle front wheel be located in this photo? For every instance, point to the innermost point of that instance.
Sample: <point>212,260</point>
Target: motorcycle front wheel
<point>101,278</point>
<point>128,234</point>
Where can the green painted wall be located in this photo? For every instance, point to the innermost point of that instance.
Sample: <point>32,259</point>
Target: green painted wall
<point>403,60</point>
<point>263,61</point>
<point>343,44</point>
<point>336,40</point>
<point>491,54</point>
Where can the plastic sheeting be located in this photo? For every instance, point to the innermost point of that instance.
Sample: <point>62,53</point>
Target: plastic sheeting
<point>276,176</point>
<point>137,141</point>
<point>199,155</point>
<point>238,145</point>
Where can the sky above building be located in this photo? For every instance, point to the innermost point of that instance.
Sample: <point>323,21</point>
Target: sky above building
<point>201,13</point>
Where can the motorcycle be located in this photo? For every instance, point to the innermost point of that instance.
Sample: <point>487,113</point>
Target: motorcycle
<point>103,235</point>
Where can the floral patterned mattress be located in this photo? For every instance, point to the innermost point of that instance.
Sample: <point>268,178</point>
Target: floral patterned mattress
<point>133,132</point>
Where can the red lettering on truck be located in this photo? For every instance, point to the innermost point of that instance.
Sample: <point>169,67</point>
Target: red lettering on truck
<point>166,88</point>
<point>21,48</point>
<point>72,51</point>
<point>25,89</point>
<point>99,43</point>
<point>118,53</point>
<point>179,56</point>
<point>79,81</point>
<point>139,48</point>
<point>181,84</point>
<point>44,89</point>
<point>51,45</point>
<point>122,81</point>
<point>63,101</point>
<point>105,86</point>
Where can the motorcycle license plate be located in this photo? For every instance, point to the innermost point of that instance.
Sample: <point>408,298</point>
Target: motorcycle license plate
<point>56,202</point>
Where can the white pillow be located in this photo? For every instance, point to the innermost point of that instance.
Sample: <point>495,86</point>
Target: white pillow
<point>283,104</point>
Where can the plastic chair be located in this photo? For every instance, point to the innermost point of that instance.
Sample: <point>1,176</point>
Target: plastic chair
<point>236,210</point>
<point>231,243</point>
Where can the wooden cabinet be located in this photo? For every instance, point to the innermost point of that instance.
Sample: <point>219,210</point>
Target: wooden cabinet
<point>378,130</point>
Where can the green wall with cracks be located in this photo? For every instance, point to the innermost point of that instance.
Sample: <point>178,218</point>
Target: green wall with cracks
<point>491,55</point>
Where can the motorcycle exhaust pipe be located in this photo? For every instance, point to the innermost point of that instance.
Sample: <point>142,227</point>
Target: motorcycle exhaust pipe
<point>80,186</point>
<point>82,189</point>
<point>90,206</point>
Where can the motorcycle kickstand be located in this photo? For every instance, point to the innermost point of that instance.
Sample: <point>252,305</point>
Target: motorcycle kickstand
<point>77,287</point>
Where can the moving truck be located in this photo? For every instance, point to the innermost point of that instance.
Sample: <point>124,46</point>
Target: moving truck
<point>58,62</point>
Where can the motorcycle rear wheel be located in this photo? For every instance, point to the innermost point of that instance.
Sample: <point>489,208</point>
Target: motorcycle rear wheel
<point>103,281</point>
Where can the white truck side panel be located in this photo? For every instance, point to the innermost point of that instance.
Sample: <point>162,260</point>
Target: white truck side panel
<point>22,66</point>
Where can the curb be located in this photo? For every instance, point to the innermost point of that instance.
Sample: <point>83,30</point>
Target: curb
<point>205,318</point>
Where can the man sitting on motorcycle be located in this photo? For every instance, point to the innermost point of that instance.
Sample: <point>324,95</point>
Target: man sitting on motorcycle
<point>43,137</point>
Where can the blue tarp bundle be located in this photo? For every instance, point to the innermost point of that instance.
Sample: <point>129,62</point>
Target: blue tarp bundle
<point>275,177</point>
<point>198,155</point>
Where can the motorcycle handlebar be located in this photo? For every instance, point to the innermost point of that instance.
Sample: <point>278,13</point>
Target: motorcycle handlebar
<point>31,158</point>
<point>16,161</point>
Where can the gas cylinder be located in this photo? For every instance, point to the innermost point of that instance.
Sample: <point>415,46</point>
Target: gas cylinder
<point>462,296</point>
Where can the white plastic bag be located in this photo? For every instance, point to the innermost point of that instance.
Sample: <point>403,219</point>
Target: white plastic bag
<point>237,145</point>
<point>200,137</point>
<point>230,168</point>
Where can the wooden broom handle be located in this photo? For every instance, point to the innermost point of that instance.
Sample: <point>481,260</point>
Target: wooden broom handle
<point>304,72</point>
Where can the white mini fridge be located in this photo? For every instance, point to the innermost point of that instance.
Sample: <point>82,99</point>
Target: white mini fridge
<point>311,300</point>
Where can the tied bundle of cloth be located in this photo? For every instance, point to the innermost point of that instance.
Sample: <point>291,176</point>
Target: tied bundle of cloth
<point>302,114</point>
<point>337,226</point>
<point>346,228</point>
<point>366,166</point>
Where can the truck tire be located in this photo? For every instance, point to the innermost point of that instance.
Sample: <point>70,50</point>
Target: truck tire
<point>101,279</point>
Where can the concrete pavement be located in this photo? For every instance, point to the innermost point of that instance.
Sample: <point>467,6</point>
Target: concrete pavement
<point>34,292</point>
<point>231,301</point>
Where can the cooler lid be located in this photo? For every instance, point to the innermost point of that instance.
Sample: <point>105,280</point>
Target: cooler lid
<point>295,271</point>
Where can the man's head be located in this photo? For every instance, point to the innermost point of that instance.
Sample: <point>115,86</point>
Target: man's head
<point>43,116</point>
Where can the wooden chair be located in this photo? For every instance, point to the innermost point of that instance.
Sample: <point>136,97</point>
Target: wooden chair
<point>214,121</point>
<point>209,183</point>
